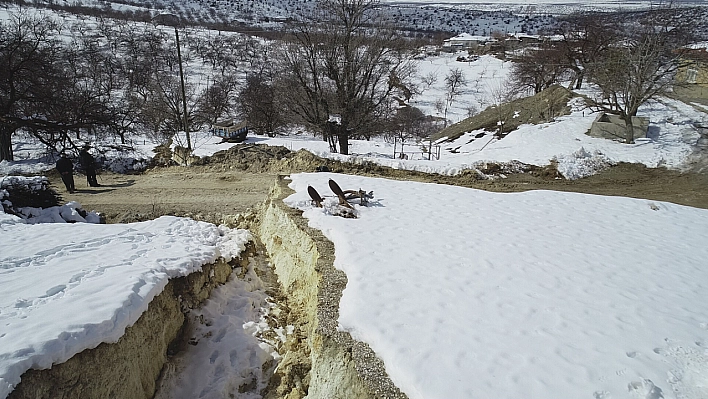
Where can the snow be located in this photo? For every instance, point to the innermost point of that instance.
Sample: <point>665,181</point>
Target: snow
<point>465,293</point>
<point>462,293</point>
<point>468,37</point>
<point>700,45</point>
<point>483,76</point>
<point>672,139</point>
<point>69,287</point>
<point>226,353</point>
<point>58,214</point>
<point>596,4</point>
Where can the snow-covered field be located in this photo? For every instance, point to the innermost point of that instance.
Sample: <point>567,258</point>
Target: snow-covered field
<point>462,293</point>
<point>68,287</point>
<point>470,294</point>
<point>587,3</point>
<point>483,78</point>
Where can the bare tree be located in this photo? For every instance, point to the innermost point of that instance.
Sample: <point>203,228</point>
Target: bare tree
<point>538,69</point>
<point>339,62</point>
<point>259,104</point>
<point>27,52</point>
<point>46,88</point>
<point>498,94</point>
<point>404,125</point>
<point>455,82</point>
<point>217,99</point>
<point>640,68</point>
<point>586,37</point>
<point>429,79</point>
<point>165,101</point>
<point>410,124</point>
<point>225,52</point>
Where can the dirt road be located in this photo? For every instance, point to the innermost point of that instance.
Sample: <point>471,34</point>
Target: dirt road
<point>233,182</point>
<point>180,191</point>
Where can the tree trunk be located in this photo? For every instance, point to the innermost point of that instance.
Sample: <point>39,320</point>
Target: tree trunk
<point>629,130</point>
<point>579,80</point>
<point>331,133</point>
<point>343,137</point>
<point>6,144</point>
<point>332,141</point>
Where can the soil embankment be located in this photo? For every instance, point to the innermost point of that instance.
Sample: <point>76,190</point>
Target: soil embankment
<point>324,362</point>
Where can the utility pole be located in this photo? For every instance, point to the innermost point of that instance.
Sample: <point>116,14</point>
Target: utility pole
<point>184,96</point>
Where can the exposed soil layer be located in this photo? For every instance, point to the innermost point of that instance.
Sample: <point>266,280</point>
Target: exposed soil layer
<point>542,107</point>
<point>194,192</point>
<point>321,362</point>
<point>131,367</point>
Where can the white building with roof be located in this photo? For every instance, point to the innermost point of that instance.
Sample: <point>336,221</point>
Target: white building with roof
<point>465,41</point>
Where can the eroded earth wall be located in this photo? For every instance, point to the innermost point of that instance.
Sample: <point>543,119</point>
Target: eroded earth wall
<point>130,368</point>
<point>339,366</point>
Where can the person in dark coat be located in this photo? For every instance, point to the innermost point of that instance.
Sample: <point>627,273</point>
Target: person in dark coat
<point>66,168</point>
<point>88,163</point>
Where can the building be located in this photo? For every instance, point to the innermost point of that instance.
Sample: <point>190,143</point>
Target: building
<point>230,131</point>
<point>464,42</point>
<point>692,76</point>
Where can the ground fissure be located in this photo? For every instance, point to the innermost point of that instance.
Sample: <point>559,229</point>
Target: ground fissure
<point>229,189</point>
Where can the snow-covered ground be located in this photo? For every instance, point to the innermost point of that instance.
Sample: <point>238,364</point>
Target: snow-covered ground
<point>555,7</point>
<point>483,78</point>
<point>225,353</point>
<point>611,4</point>
<point>68,287</point>
<point>672,138</point>
<point>463,293</point>
<point>670,142</point>
<point>470,294</point>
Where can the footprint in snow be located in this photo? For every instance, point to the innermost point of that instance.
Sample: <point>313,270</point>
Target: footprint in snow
<point>645,389</point>
<point>22,303</point>
<point>54,290</point>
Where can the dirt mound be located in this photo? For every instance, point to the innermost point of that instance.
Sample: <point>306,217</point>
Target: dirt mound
<point>634,180</point>
<point>254,158</point>
<point>542,107</point>
<point>260,158</point>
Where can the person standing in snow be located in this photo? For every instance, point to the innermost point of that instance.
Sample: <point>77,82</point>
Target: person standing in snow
<point>66,169</point>
<point>88,163</point>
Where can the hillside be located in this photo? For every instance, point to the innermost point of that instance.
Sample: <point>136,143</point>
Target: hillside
<point>505,117</point>
<point>423,17</point>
